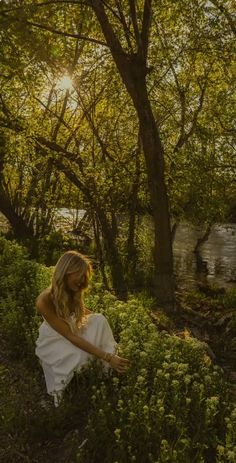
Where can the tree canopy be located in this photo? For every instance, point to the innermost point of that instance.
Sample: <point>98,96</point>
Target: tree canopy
<point>117,108</point>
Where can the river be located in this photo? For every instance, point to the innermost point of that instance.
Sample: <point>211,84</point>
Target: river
<point>215,265</point>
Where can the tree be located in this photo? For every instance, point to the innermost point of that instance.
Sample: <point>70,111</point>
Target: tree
<point>131,61</point>
<point>60,135</point>
<point>173,61</point>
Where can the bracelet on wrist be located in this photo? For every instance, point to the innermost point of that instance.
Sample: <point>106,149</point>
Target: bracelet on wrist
<point>108,356</point>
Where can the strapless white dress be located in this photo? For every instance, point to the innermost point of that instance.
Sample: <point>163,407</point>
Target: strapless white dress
<point>60,358</point>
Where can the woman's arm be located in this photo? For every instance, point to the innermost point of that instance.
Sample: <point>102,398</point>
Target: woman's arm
<point>46,309</point>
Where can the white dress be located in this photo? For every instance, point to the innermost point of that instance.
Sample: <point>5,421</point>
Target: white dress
<point>60,358</point>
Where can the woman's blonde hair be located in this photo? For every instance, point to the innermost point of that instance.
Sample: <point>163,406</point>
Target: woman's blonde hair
<point>70,262</point>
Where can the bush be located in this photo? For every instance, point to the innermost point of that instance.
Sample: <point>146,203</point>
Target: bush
<point>230,298</point>
<point>52,246</point>
<point>21,281</point>
<point>171,406</point>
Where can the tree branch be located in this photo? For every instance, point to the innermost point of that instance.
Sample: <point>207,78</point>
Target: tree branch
<point>133,15</point>
<point>225,12</point>
<point>95,131</point>
<point>52,145</point>
<point>147,14</point>
<point>185,136</point>
<point>73,178</point>
<point>55,31</point>
<point>108,31</point>
<point>66,34</point>
<point>124,24</point>
<point>38,5</point>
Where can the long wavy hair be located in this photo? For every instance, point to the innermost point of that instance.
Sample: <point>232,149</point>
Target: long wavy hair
<point>70,306</point>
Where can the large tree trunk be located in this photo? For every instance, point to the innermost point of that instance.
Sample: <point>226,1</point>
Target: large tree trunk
<point>20,229</point>
<point>154,157</point>
<point>133,70</point>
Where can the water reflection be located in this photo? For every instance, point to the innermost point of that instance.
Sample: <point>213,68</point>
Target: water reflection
<point>216,262</point>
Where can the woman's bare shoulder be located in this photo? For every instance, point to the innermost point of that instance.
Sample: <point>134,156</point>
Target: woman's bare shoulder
<point>44,300</point>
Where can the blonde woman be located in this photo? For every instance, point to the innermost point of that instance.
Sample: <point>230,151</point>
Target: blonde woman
<point>71,334</point>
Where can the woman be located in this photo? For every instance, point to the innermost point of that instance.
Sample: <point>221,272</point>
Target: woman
<point>71,334</point>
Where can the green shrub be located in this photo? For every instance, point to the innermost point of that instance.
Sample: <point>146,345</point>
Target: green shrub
<point>227,452</point>
<point>229,299</point>
<point>10,253</point>
<point>52,246</point>
<point>21,281</point>
<point>171,406</point>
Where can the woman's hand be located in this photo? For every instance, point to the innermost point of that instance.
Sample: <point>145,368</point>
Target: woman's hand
<point>119,364</point>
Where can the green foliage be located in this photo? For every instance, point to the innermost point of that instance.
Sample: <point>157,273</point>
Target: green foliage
<point>229,298</point>
<point>227,452</point>
<point>52,246</point>
<point>92,129</point>
<point>84,142</point>
<point>21,281</point>
<point>229,301</point>
<point>171,406</point>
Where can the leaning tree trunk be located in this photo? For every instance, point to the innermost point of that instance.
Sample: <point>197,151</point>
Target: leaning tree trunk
<point>20,229</point>
<point>203,238</point>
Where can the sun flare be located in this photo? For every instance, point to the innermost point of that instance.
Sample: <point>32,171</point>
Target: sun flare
<point>65,83</point>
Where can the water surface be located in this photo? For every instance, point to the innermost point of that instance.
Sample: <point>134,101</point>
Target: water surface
<point>216,263</point>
